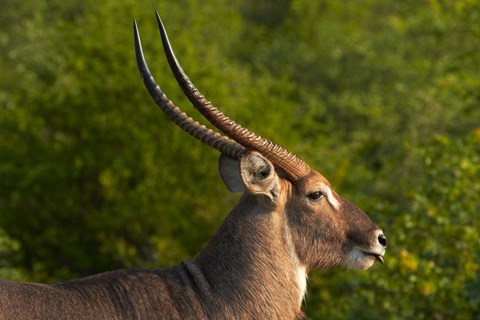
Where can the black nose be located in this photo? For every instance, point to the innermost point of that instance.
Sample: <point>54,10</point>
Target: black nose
<point>383,240</point>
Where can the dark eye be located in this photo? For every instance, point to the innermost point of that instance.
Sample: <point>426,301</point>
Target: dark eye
<point>315,195</point>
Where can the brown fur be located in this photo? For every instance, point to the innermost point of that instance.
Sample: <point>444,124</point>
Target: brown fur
<point>249,270</point>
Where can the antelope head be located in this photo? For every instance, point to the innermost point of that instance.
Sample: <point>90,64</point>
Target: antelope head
<point>322,228</point>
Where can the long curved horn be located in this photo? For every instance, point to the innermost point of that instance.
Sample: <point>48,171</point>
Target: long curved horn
<point>197,130</point>
<point>293,166</point>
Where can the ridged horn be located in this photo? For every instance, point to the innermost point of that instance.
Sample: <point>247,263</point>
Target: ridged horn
<point>197,130</point>
<point>289,163</point>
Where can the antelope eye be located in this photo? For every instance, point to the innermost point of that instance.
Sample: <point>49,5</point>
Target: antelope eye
<point>315,195</point>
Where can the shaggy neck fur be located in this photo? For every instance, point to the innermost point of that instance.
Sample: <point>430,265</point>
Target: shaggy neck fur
<point>251,267</point>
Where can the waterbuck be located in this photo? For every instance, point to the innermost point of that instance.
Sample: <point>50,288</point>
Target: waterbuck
<point>288,221</point>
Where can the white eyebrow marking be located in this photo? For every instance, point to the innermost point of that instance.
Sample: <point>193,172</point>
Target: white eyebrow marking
<point>330,197</point>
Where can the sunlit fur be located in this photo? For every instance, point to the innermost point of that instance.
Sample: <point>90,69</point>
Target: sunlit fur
<point>325,236</point>
<point>254,267</point>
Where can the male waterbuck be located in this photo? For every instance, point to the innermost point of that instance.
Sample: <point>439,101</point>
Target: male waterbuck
<point>288,221</point>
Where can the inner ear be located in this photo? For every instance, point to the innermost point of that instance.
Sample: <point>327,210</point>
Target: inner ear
<point>230,173</point>
<point>258,174</point>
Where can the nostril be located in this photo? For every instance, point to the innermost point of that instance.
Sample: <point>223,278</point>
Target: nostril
<point>383,240</point>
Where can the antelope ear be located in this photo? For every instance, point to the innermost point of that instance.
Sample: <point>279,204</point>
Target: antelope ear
<point>258,175</point>
<point>230,173</point>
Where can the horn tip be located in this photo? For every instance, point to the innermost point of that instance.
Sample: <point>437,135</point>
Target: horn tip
<point>141,63</point>
<point>161,26</point>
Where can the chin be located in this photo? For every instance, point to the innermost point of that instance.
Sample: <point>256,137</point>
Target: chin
<point>361,260</point>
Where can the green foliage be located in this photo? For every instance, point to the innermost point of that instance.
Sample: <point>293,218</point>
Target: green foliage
<point>381,96</point>
<point>9,250</point>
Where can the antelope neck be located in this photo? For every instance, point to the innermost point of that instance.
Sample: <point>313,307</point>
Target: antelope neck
<point>250,262</point>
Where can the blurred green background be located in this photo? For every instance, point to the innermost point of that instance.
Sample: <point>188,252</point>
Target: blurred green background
<point>381,96</point>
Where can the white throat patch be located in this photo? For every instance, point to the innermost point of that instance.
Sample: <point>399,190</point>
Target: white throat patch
<point>302,282</point>
<point>329,195</point>
<point>300,270</point>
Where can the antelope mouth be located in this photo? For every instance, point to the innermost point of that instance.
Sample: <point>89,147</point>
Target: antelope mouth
<point>362,259</point>
<point>378,257</point>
